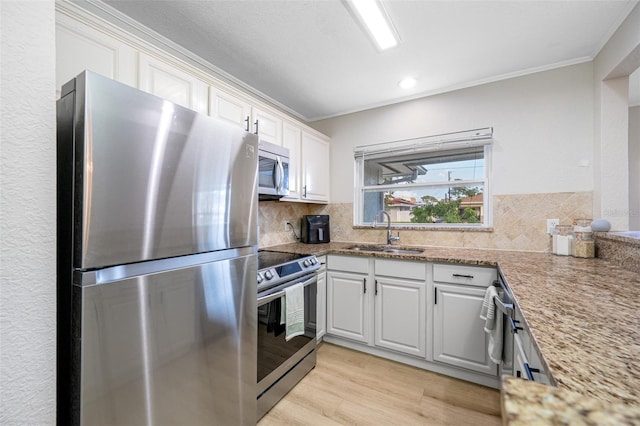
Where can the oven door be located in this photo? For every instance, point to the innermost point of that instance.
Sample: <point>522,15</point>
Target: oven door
<point>273,176</point>
<point>276,355</point>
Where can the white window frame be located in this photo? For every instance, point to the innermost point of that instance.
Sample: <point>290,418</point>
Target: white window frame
<point>444,142</point>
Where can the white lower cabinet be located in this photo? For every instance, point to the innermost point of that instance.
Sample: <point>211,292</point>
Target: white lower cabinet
<point>380,303</point>
<point>321,300</point>
<point>348,305</point>
<point>395,309</point>
<point>400,315</point>
<point>458,332</point>
<point>459,338</point>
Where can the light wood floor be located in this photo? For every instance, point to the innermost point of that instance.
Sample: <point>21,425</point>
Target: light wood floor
<point>353,388</point>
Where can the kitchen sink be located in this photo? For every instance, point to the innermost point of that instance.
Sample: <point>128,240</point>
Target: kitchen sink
<point>389,250</point>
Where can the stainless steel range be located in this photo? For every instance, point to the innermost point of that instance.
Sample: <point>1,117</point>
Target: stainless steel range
<point>281,362</point>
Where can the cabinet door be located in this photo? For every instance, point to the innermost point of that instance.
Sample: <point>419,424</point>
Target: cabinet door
<point>400,315</point>
<point>347,308</point>
<point>291,138</point>
<point>80,47</point>
<point>315,168</point>
<point>458,332</point>
<point>229,108</point>
<point>269,126</point>
<point>171,83</point>
<point>321,306</point>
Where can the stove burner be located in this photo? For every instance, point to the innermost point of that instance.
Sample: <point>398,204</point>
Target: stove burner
<point>268,259</point>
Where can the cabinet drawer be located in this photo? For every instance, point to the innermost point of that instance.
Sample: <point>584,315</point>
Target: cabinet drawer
<point>348,263</point>
<point>462,274</point>
<point>401,269</point>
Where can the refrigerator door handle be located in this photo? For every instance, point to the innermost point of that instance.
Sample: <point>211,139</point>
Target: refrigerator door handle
<point>120,272</point>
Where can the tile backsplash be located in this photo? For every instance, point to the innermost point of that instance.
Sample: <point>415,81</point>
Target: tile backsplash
<point>519,223</point>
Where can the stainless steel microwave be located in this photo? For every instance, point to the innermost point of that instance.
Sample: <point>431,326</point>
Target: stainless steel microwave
<point>273,171</point>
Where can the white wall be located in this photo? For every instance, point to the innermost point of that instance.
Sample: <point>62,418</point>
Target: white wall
<point>619,58</point>
<point>27,213</point>
<point>543,130</point>
<point>634,168</point>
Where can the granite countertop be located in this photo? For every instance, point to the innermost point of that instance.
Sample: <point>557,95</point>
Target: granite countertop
<point>527,403</point>
<point>583,314</point>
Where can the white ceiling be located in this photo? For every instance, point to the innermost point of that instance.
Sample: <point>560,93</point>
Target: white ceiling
<point>311,56</point>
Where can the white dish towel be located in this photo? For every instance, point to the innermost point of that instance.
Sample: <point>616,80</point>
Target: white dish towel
<point>492,325</point>
<point>294,308</point>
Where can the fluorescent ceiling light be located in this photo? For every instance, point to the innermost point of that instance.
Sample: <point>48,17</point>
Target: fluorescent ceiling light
<point>407,83</point>
<point>374,17</point>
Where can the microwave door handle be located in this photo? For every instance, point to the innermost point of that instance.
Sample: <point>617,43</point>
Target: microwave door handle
<point>275,177</point>
<point>279,175</point>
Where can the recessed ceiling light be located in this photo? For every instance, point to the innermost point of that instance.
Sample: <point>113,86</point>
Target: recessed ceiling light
<point>374,18</point>
<point>407,83</point>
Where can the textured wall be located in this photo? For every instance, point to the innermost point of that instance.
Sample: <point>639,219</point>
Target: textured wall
<point>271,218</point>
<point>27,215</point>
<point>519,223</point>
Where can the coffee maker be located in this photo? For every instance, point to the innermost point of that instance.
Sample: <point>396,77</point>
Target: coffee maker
<point>315,229</point>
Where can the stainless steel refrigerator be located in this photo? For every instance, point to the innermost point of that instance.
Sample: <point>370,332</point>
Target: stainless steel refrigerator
<point>157,259</point>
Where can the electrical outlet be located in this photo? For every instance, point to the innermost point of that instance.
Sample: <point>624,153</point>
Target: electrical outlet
<point>552,223</point>
<point>286,224</point>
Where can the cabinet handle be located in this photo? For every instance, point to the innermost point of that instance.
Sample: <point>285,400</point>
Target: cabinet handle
<point>514,327</point>
<point>246,120</point>
<point>305,191</point>
<point>463,276</point>
<point>435,295</point>
<point>256,124</point>
<point>364,282</point>
<point>530,370</point>
<point>376,287</point>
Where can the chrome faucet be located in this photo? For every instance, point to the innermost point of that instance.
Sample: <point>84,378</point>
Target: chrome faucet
<point>390,238</point>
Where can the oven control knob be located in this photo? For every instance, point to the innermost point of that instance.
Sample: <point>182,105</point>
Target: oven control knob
<point>306,263</point>
<point>259,278</point>
<point>313,261</point>
<point>268,275</point>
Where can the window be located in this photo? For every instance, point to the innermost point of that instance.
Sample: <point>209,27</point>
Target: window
<point>433,181</point>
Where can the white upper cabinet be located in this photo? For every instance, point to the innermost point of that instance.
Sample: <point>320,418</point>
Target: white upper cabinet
<point>308,165</point>
<point>80,47</point>
<point>235,109</point>
<point>172,83</point>
<point>85,41</point>
<point>292,139</point>
<point>268,126</point>
<point>314,165</point>
<point>230,108</point>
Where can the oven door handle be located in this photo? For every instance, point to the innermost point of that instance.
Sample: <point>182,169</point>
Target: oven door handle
<point>278,294</point>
